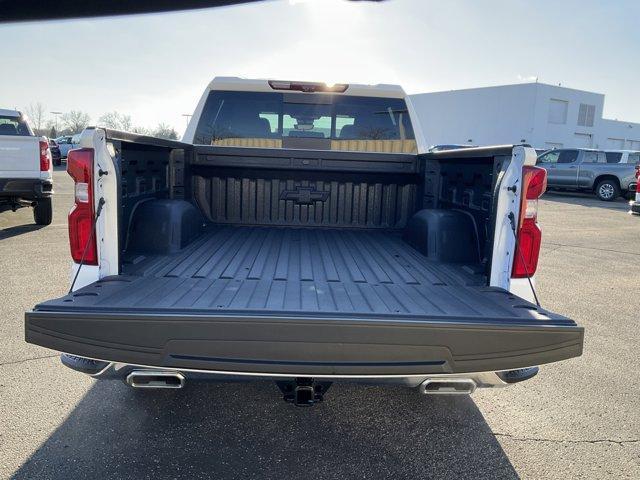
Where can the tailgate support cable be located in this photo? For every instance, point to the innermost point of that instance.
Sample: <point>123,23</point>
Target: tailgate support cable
<point>512,220</point>
<point>101,202</point>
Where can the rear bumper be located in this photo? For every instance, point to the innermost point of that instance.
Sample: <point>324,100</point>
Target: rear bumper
<point>25,188</point>
<point>121,372</point>
<point>635,208</point>
<point>304,346</point>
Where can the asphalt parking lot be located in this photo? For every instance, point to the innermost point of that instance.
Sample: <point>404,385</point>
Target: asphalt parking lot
<point>578,418</point>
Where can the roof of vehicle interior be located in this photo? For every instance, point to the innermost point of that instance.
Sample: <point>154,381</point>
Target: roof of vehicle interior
<point>33,10</point>
<point>262,85</point>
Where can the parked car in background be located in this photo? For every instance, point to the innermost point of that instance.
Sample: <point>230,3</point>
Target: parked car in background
<point>66,143</point>
<point>587,170</point>
<point>55,153</point>
<point>25,167</point>
<point>623,156</point>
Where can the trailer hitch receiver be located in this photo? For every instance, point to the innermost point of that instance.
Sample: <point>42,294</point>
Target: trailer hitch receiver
<point>303,391</point>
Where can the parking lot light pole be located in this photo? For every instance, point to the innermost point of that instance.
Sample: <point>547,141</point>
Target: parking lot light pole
<point>56,115</point>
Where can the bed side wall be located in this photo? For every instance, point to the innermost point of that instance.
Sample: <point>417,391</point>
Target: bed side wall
<point>465,185</point>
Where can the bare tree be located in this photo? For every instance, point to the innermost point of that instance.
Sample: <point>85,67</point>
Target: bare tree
<point>75,121</point>
<point>125,123</point>
<point>51,127</point>
<point>37,116</point>
<point>116,121</point>
<point>165,131</point>
<point>140,130</point>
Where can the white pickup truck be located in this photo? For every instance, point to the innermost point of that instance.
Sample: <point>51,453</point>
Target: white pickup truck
<point>25,167</point>
<point>302,232</point>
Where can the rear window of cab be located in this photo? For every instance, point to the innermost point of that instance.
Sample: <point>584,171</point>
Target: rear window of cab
<point>311,121</point>
<point>10,125</point>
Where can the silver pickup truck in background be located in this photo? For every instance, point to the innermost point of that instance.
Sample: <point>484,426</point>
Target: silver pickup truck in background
<point>588,170</point>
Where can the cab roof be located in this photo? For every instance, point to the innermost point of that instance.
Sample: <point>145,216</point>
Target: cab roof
<point>276,85</point>
<point>9,113</point>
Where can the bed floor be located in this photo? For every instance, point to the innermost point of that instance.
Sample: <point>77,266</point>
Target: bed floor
<point>304,270</point>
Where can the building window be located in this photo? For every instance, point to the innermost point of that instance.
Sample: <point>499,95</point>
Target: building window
<point>558,111</point>
<point>615,143</point>
<point>586,115</point>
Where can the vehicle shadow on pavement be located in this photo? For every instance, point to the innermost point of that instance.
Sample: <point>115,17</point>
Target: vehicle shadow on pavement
<point>18,230</point>
<point>245,430</point>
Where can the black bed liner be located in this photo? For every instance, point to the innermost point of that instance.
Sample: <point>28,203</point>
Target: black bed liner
<point>301,269</point>
<point>312,301</point>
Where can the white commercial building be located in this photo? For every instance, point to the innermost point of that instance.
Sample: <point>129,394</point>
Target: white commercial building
<point>544,116</point>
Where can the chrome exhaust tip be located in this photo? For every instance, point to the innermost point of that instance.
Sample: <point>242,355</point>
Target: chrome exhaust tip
<point>444,386</point>
<point>155,379</point>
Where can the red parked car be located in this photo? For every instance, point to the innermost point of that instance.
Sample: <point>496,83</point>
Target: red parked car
<point>635,206</point>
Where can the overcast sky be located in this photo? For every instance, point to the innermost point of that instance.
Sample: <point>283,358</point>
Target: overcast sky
<point>154,67</point>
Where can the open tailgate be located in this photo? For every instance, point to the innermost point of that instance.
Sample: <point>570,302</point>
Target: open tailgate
<point>517,334</point>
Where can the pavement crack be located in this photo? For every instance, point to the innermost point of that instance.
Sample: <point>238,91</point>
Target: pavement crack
<point>24,360</point>
<point>551,250</point>
<point>566,245</point>
<point>557,441</point>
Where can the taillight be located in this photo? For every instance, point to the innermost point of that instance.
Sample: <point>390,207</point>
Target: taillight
<point>81,236</point>
<point>45,156</point>
<point>638,178</point>
<point>534,184</point>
